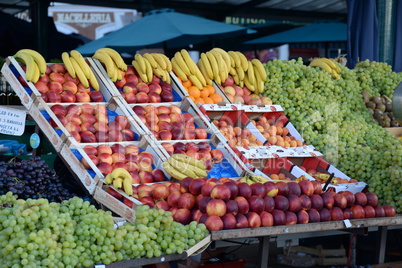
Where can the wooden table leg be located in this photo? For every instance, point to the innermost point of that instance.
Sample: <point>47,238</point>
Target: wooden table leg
<point>381,244</point>
<point>263,251</point>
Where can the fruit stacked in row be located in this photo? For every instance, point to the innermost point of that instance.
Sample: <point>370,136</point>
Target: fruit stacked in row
<point>76,234</point>
<point>342,129</point>
<point>180,166</point>
<point>242,95</point>
<point>207,95</point>
<point>33,63</point>
<point>186,69</point>
<point>327,65</point>
<point>112,61</point>
<point>139,164</point>
<point>275,132</point>
<point>90,123</point>
<point>152,64</point>
<point>381,109</point>
<point>237,136</point>
<point>32,178</point>
<point>201,151</point>
<point>169,122</point>
<point>216,63</point>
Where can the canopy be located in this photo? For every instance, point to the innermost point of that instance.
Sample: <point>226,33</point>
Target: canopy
<point>315,32</point>
<point>163,29</point>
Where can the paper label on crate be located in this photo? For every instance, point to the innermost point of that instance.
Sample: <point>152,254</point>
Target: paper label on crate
<point>265,108</point>
<point>12,121</point>
<point>306,151</point>
<point>217,107</point>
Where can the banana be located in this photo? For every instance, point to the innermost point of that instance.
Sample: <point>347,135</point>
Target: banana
<point>149,71</point>
<point>116,57</point>
<point>137,67</point>
<point>196,82</point>
<point>259,178</point>
<point>109,178</point>
<point>93,81</point>
<point>161,61</point>
<point>219,60</point>
<point>167,61</point>
<point>115,75</point>
<point>81,61</point>
<point>162,74</point>
<point>235,58</point>
<point>141,63</point>
<point>225,56</point>
<point>107,61</point>
<point>67,64</point>
<point>321,64</point>
<point>214,64</point>
<point>183,167</point>
<point>128,185</point>
<point>249,181</point>
<point>240,72</point>
<point>172,171</point>
<point>79,72</point>
<point>178,71</point>
<point>182,64</point>
<point>332,64</point>
<point>204,72</point>
<point>262,73</point>
<point>38,58</point>
<point>189,61</point>
<point>151,60</point>
<point>118,183</point>
<point>189,160</point>
<point>260,86</point>
<point>207,65</point>
<point>335,74</point>
<point>167,75</point>
<point>29,62</point>
<point>250,73</point>
<point>243,60</point>
<point>250,86</point>
<point>120,172</point>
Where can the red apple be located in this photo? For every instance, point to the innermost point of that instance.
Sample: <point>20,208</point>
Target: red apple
<point>389,211</point>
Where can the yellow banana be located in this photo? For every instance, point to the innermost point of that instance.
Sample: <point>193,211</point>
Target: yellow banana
<point>137,67</point>
<point>225,56</point>
<point>204,72</point>
<point>190,160</point>
<point>109,178</point>
<point>260,86</point>
<point>259,178</point>
<point>80,74</point>
<point>128,185</point>
<point>321,64</point>
<point>108,62</point>
<point>162,74</point>
<point>248,85</point>
<point>250,73</point>
<point>148,69</point>
<point>189,61</point>
<point>214,64</point>
<point>65,57</point>
<point>332,64</point>
<point>182,64</point>
<point>120,172</point>
<point>183,167</point>
<point>151,60</point>
<point>29,62</point>
<point>240,72</point>
<point>167,61</point>
<point>115,75</point>
<point>262,73</point>
<point>118,183</point>
<point>36,74</point>
<point>93,81</point>
<point>141,63</point>
<point>219,60</point>
<point>173,172</point>
<point>196,82</point>
<point>178,71</point>
<point>161,61</point>
<point>38,58</point>
<point>167,75</point>
<point>116,57</point>
<point>235,76</point>
<point>81,61</point>
<point>335,75</point>
<point>235,58</point>
<point>243,60</point>
<point>207,65</point>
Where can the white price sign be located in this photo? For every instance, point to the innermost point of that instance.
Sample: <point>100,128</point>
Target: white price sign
<point>12,121</point>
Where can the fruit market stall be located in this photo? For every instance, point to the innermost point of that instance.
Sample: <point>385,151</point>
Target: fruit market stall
<point>178,153</point>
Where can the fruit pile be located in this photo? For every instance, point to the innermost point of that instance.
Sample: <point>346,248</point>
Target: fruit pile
<point>32,179</point>
<point>180,166</point>
<point>199,150</point>
<point>333,118</point>
<point>237,136</point>
<point>227,204</point>
<point>381,109</point>
<point>75,234</point>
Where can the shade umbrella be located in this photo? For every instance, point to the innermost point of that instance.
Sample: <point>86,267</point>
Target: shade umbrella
<point>363,37</point>
<point>163,29</point>
<point>315,32</point>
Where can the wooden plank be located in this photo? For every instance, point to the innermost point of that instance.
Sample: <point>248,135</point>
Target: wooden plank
<point>305,228</point>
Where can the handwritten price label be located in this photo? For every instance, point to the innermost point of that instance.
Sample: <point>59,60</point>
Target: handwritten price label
<point>12,121</point>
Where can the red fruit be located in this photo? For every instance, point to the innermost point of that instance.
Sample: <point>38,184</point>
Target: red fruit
<point>216,207</point>
<point>258,189</point>
<point>254,220</point>
<point>229,221</point>
<point>360,199</point>
<point>256,204</point>
<point>281,202</point>
<point>279,217</point>
<point>186,200</point>
<point>266,219</point>
<point>294,203</point>
<point>269,203</point>
<point>389,211</point>
<point>325,215</point>
<point>303,217</point>
<point>372,199</point>
<point>358,212</point>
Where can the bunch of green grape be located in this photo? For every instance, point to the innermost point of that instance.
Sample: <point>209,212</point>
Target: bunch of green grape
<point>36,233</point>
<point>330,115</point>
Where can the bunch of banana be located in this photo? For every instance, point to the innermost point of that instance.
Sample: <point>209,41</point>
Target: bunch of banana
<point>238,67</point>
<point>186,69</point>
<point>120,178</point>
<point>250,179</point>
<point>76,66</point>
<point>112,61</point>
<point>34,62</point>
<point>327,65</point>
<point>180,166</point>
<point>215,65</point>
<point>156,64</point>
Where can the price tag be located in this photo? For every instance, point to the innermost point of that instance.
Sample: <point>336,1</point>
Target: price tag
<point>347,223</point>
<point>12,121</point>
